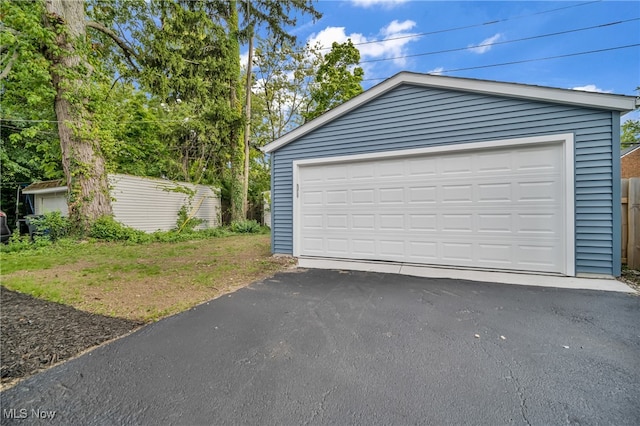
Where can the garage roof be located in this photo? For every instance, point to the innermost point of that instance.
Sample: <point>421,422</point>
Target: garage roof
<point>606,101</point>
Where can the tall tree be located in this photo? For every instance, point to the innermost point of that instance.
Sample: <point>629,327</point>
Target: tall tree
<point>53,43</point>
<point>284,75</point>
<point>82,159</point>
<point>276,15</point>
<point>337,79</point>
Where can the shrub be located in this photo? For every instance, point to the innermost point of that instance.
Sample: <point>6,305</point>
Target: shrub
<point>19,242</point>
<point>108,229</point>
<point>51,225</point>
<point>246,227</point>
<point>186,223</point>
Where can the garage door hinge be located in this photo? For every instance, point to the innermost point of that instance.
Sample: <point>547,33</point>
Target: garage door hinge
<point>297,190</point>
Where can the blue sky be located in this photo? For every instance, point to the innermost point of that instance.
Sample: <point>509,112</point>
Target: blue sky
<point>393,28</point>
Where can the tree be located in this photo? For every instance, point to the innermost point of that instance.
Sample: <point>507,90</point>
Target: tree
<point>29,147</point>
<point>276,15</point>
<point>337,79</point>
<point>82,159</point>
<point>284,75</point>
<point>53,43</point>
<point>630,133</point>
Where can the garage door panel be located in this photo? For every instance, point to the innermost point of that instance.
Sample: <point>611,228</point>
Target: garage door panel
<point>501,208</point>
<point>494,192</point>
<point>338,221</point>
<point>339,197</point>
<point>541,223</point>
<point>422,194</point>
<point>495,222</point>
<point>364,247</point>
<point>496,254</point>
<point>457,193</point>
<point>456,252</point>
<point>391,195</point>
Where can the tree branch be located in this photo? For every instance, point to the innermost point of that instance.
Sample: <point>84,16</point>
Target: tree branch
<point>7,68</point>
<point>128,51</point>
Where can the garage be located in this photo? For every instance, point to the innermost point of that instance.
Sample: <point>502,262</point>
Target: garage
<point>455,173</point>
<point>496,206</point>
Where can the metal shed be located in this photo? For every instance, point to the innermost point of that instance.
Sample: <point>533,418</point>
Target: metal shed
<point>142,203</point>
<point>455,172</point>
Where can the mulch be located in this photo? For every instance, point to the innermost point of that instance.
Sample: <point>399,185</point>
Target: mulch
<point>36,334</point>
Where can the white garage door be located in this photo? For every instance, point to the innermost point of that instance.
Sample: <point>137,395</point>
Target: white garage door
<point>499,207</point>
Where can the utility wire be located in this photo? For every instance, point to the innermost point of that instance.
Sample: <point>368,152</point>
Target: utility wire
<point>502,42</point>
<point>527,60</point>
<point>482,24</point>
<point>567,55</point>
<point>608,24</point>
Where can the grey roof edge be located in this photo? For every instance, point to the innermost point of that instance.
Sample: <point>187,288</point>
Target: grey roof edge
<point>608,101</point>
<point>629,150</point>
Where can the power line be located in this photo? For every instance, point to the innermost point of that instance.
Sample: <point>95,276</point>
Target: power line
<point>465,27</point>
<point>527,60</point>
<point>609,24</point>
<point>522,61</point>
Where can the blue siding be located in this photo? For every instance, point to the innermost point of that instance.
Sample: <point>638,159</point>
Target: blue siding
<point>414,117</point>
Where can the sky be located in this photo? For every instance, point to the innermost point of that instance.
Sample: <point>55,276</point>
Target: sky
<point>473,38</point>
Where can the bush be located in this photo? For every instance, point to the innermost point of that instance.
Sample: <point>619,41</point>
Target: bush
<point>246,227</point>
<point>51,225</point>
<point>186,223</point>
<point>108,229</point>
<point>19,242</point>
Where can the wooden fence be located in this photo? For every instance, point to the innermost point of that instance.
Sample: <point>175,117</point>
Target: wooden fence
<point>630,191</point>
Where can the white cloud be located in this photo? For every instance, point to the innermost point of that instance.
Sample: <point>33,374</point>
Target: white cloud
<point>396,27</point>
<point>436,71</point>
<point>370,47</point>
<point>244,57</point>
<point>591,88</point>
<point>384,3</point>
<point>485,45</point>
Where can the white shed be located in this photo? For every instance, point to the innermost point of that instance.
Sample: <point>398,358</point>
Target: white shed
<point>147,204</point>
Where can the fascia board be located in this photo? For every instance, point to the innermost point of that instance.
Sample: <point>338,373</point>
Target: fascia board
<point>46,190</point>
<point>606,101</point>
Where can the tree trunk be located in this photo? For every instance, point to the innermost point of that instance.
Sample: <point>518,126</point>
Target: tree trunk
<point>247,129</point>
<point>234,136</point>
<point>82,159</point>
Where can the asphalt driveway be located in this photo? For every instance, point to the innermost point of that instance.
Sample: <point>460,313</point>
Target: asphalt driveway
<point>330,347</point>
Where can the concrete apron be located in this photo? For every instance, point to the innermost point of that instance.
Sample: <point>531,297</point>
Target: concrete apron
<point>596,283</point>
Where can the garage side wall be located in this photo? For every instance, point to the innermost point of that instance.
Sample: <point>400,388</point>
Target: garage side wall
<point>414,117</point>
<point>153,204</point>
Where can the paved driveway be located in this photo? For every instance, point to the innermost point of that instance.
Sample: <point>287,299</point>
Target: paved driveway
<point>326,347</point>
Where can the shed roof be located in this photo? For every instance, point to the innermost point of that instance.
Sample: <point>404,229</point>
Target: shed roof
<point>605,101</point>
<point>45,187</point>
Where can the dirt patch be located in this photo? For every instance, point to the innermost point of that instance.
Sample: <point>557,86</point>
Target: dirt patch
<point>631,277</point>
<point>37,334</point>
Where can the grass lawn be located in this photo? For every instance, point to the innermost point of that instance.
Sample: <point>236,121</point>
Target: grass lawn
<point>140,281</point>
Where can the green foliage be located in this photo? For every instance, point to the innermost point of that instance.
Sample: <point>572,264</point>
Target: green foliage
<point>630,133</point>
<point>108,229</point>
<point>337,79</point>
<point>165,105</point>
<point>186,221</point>
<point>52,225</point>
<point>246,227</point>
<point>18,243</point>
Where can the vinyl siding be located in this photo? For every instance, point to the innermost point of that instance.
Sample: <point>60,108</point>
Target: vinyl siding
<point>153,204</point>
<point>413,117</point>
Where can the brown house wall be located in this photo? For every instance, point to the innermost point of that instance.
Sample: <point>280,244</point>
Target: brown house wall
<point>630,165</point>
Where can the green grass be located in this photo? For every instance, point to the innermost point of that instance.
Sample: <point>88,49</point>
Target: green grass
<point>138,281</point>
